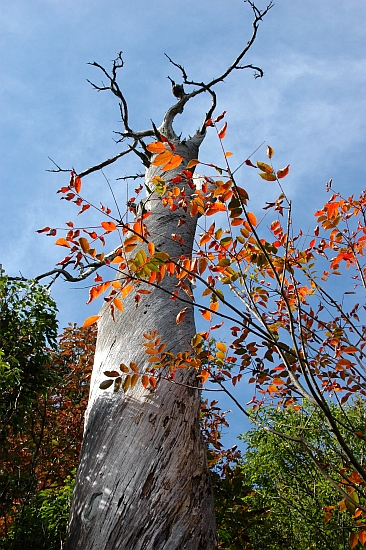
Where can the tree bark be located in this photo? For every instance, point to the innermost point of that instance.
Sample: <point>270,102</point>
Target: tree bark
<point>143,482</point>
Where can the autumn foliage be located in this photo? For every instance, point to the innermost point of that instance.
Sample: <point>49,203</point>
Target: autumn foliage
<point>46,449</point>
<point>284,307</point>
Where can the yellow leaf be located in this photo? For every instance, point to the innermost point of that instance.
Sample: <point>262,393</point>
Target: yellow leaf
<point>265,167</point>
<point>91,320</point>
<point>192,163</point>
<point>116,284</point>
<point>62,242</point>
<point>126,290</point>
<point>151,248</point>
<point>267,177</point>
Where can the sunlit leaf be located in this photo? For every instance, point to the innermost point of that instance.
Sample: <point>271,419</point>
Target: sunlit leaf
<point>181,315</point>
<point>228,154</point>
<point>156,147</point>
<point>118,303</point>
<point>63,242</point>
<point>282,173</point>
<point>108,226</point>
<point>269,152</point>
<point>91,320</point>
<point>192,163</point>
<point>204,375</point>
<point>222,132</point>
<point>265,167</point>
<point>252,219</point>
<point>77,184</point>
<point>174,162</point>
<point>162,158</point>
<point>267,177</point>
<point>84,243</point>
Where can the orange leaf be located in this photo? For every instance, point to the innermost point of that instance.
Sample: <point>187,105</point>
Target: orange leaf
<point>353,540</point>
<point>116,284</point>
<point>117,260</point>
<point>202,264</point>
<point>162,158</point>
<point>204,375</point>
<point>228,154</point>
<point>109,226</point>
<point>283,172</point>
<point>214,208</point>
<point>252,219</point>
<point>145,380</point>
<point>174,162</point>
<point>181,315</point>
<point>156,147</point>
<point>117,302</point>
<point>221,346</point>
<point>192,163</point>
<point>91,320</point>
<point>151,248</point>
<point>269,152</point>
<point>62,242</point>
<point>362,537</point>
<point>84,244</point>
<point>222,132</point>
<point>77,184</point>
<point>206,314</point>
<point>152,381</point>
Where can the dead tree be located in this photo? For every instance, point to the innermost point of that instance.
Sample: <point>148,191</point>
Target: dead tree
<point>143,480</point>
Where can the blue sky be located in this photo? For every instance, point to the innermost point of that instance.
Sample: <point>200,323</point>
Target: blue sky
<point>310,106</point>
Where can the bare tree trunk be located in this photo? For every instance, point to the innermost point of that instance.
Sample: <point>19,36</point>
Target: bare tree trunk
<point>143,480</point>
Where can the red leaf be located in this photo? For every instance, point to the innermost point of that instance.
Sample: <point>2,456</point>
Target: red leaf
<point>222,132</point>
<point>85,207</point>
<point>43,230</point>
<point>77,184</point>
<point>283,172</point>
<point>181,315</point>
<point>249,163</point>
<point>220,117</point>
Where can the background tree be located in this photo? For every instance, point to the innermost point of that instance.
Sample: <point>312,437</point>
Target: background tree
<point>39,457</point>
<point>287,482</point>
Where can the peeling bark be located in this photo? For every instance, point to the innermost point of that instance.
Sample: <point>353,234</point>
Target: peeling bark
<point>143,482</point>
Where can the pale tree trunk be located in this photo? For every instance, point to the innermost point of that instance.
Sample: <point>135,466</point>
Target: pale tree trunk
<point>143,480</point>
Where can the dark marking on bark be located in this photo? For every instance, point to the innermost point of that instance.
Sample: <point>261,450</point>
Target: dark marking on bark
<point>165,421</point>
<point>146,490</point>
